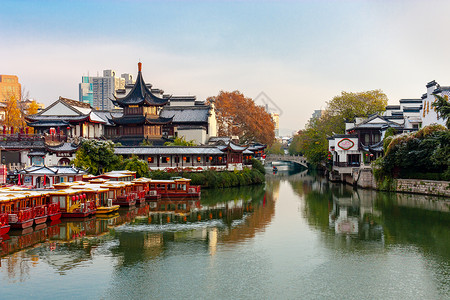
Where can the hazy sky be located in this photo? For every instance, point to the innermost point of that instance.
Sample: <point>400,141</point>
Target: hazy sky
<point>299,53</point>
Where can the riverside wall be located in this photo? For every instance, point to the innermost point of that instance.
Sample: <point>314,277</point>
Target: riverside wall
<point>363,177</point>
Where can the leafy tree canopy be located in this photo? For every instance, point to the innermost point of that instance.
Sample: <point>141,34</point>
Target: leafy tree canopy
<point>275,148</point>
<point>312,142</point>
<point>180,141</point>
<point>136,164</point>
<point>239,116</point>
<point>97,157</point>
<point>442,106</point>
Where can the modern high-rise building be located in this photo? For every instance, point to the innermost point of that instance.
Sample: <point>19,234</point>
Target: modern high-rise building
<point>98,91</point>
<point>10,86</point>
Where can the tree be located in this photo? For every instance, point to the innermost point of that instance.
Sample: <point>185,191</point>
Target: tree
<point>180,141</point>
<point>12,113</point>
<point>442,106</point>
<point>275,148</point>
<point>97,157</point>
<point>239,116</point>
<point>32,108</point>
<point>313,142</point>
<point>136,164</point>
<point>351,105</point>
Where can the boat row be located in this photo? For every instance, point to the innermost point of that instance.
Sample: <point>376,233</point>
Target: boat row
<point>21,207</point>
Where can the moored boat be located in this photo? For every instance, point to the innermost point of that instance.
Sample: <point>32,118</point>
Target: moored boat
<point>4,224</point>
<point>73,203</point>
<point>121,193</point>
<point>175,188</point>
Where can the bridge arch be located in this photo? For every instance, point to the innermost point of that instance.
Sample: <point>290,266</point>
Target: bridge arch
<point>300,160</point>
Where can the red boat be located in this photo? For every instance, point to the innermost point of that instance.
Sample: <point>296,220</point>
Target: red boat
<point>73,203</point>
<point>21,219</point>
<point>4,224</point>
<point>40,214</point>
<point>121,193</point>
<point>53,212</point>
<point>175,188</point>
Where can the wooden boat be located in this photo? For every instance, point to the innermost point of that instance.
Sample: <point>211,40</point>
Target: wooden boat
<point>120,175</point>
<point>141,186</point>
<point>73,203</point>
<point>4,224</point>
<point>175,188</point>
<point>121,193</point>
<point>99,195</point>
<point>39,201</point>
<point>20,216</point>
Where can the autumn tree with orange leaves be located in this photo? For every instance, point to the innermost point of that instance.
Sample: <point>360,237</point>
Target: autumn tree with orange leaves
<point>239,116</point>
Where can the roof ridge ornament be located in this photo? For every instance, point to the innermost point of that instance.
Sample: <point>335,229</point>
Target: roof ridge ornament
<point>139,66</point>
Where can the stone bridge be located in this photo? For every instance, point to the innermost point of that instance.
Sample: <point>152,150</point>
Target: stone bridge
<point>289,158</point>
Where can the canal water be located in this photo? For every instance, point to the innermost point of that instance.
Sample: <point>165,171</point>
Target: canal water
<point>297,237</point>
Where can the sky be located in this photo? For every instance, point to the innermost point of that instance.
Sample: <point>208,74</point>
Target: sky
<point>300,54</point>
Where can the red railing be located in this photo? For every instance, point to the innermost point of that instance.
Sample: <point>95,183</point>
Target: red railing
<point>128,197</point>
<point>21,215</point>
<point>39,211</point>
<point>53,208</point>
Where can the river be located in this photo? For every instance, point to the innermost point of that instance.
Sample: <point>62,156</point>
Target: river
<point>297,237</point>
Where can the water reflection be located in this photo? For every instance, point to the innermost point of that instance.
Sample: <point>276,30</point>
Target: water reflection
<point>299,236</point>
<point>388,219</point>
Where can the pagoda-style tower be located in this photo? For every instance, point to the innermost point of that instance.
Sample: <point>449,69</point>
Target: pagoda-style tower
<point>140,120</point>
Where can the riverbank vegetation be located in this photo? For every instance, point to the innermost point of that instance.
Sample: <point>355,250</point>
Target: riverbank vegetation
<point>312,141</point>
<point>424,154</point>
<point>218,179</point>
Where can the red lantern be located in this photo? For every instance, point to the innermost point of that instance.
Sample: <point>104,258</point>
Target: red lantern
<point>210,158</point>
<point>250,157</point>
<point>198,159</point>
<point>150,159</point>
<point>167,159</point>
<point>184,158</point>
<point>74,198</point>
<point>78,197</point>
<point>220,157</point>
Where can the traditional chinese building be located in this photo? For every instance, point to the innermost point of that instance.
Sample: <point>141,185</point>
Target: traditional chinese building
<point>140,120</point>
<point>67,118</point>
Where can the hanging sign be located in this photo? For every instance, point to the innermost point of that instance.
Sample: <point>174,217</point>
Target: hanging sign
<point>346,144</point>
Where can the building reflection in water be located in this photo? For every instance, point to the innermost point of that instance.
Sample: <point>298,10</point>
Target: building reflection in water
<point>222,216</point>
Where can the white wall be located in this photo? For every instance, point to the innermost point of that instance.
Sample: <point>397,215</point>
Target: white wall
<point>198,135</point>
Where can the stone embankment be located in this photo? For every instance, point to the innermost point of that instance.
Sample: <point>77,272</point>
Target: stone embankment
<point>363,177</point>
<point>427,187</point>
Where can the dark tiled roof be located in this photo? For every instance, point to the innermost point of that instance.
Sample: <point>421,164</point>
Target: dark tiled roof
<point>48,123</point>
<point>60,170</point>
<point>57,118</point>
<point>392,107</point>
<point>140,94</point>
<point>431,83</point>
<point>141,120</point>
<point>37,144</point>
<point>142,150</point>
<point>190,127</point>
<point>64,147</point>
<point>186,114</point>
<point>410,101</point>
